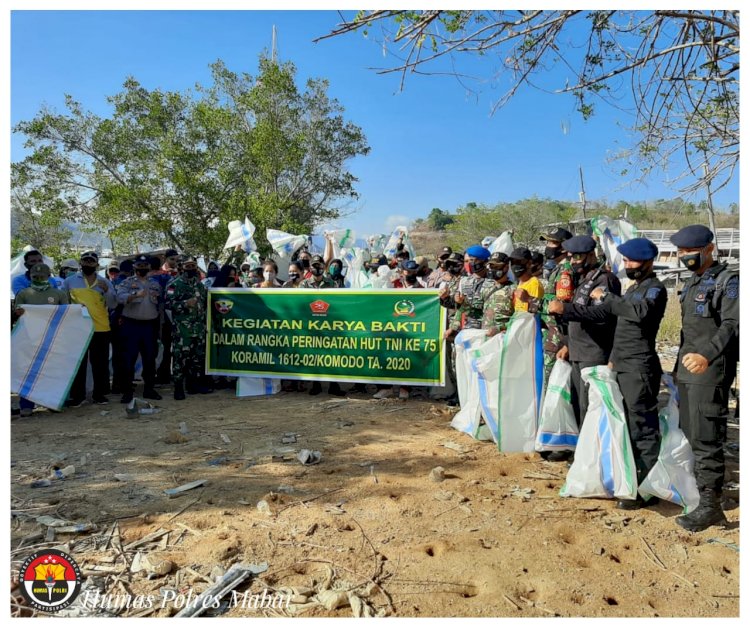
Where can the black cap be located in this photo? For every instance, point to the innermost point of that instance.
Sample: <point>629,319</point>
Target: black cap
<point>520,252</point>
<point>93,254</point>
<point>126,266</point>
<point>456,257</point>
<point>170,253</point>
<point>558,234</point>
<point>498,257</point>
<point>692,237</point>
<point>445,252</point>
<point>317,259</point>
<point>141,260</point>
<point>579,244</point>
<point>410,266</point>
<point>537,258</point>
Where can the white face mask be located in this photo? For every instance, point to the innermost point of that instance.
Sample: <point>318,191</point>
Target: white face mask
<point>269,275</point>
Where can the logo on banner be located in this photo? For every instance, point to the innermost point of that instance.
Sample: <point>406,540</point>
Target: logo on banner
<point>404,308</point>
<point>223,306</point>
<point>319,308</point>
<point>50,580</point>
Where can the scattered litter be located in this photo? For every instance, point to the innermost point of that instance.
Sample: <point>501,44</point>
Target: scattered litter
<point>175,438</point>
<point>264,507</point>
<point>462,449</point>
<point>215,462</point>
<point>183,428</point>
<point>308,457</point>
<point>225,438</point>
<point>283,458</point>
<point>61,474</point>
<point>104,412</point>
<point>728,544</point>
<point>132,408</point>
<point>437,474</point>
<point>85,459</point>
<point>372,473</point>
<point>41,483</point>
<point>335,509</point>
<point>63,526</point>
<point>524,493</point>
<point>173,492</point>
<point>345,424</point>
<point>289,438</point>
<point>443,496</point>
<point>125,477</point>
<point>331,600</point>
<point>285,489</point>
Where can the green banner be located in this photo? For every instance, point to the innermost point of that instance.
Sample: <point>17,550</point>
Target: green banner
<point>372,336</point>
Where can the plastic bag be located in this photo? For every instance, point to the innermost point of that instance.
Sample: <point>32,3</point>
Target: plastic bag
<point>558,430</point>
<point>391,247</point>
<point>241,233</point>
<point>467,419</point>
<point>604,465</point>
<point>521,383</point>
<point>612,233</point>
<point>341,239</point>
<point>485,362</point>
<point>285,244</point>
<point>503,244</point>
<point>672,477</point>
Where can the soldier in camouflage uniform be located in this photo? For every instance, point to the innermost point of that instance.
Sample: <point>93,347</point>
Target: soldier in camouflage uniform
<point>497,294</point>
<point>186,300</point>
<point>468,296</point>
<point>448,289</point>
<point>553,331</point>
<point>318,279</point>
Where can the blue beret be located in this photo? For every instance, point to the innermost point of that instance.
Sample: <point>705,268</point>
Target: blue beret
<point>692,237</point>
<point>639,249</point>
<point>579,244</point>
<point>410,265</point>
<point>478,251</point>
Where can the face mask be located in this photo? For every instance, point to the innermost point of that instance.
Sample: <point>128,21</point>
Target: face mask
<point>518,270</point>
<point>317,271</point>
<point>410,278</point>
<point>634,273</point>
<point>334,271</point>
<point>476,267</point>
<point>293,276</point>
<point>581,267</point>
<point>454,270</point>
<point>693,261</point>
<point>498,273</point>
<point>88,270</point>
<point>269,275</point>
<point>141,272</point>
<point>552,252</point>
<point>191,273</point>
<point>40,285</point>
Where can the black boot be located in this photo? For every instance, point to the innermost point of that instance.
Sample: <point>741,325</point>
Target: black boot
<point>335,389</point>
<point>316,389</point>
<point>191,386</point>
<point>630,504</point>
<point>179,391</point>
<point>707,514</point>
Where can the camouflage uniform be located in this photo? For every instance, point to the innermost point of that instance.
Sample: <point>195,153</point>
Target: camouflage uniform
<point>469,313</point>
<point>498,305</point>
<point>326,282</point>
<point>188,327</point>
<point>451,285</point>
<point>553,331</point>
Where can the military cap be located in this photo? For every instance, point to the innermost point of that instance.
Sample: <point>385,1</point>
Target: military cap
<point>422,261</point>
<point>638,249</point>
<point>189,259</point>
<point>692,237</point>
<point>478,251</point>
<point>410,265</point>
<point>113,266</point>
<point>498,257</point>
<point>40,269</point>
<point>579,244</point>
<point>142,260</point>
<point>558,234</point>
<point>92,254</point>
<point>520,252</point>
<point>171,253</point>
<point>445,252</point>
<point>317,259</point>
<point>456,257</point>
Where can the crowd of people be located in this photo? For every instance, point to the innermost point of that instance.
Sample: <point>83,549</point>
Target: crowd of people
<point>155,308</point>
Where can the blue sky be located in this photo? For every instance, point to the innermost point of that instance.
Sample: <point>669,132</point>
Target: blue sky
<point>432,145</point>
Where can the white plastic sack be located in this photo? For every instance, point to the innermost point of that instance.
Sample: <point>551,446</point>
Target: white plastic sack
<point>384,278</point>
<point>558,430</point>
<point>604,465</point>
<point>521,382</point>
<point>285,244</point>
<point>467,419</point>
<point>376,243</point>
<point>612,233</point>
<point>257,386</point>
<point>503,244</point>
<point>485,362</point>
<point>241,233</point>
<point>391,247</point>
<point>672,477</point>
<point>354,262</point>
<point>341,239</point>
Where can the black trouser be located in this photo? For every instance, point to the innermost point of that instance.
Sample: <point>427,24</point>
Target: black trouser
<point>138,337</point>
<point>579,393</point>
<point>640,392</point>
<point>703,419</point>
<point>119,378</point>
<point>98,354</point>
<point>165,366</point>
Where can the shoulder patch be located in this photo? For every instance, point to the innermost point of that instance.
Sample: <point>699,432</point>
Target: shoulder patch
<point>653,293</point>
<point>732,290</point>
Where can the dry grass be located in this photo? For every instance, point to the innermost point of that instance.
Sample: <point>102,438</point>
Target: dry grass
<point>671,324</point>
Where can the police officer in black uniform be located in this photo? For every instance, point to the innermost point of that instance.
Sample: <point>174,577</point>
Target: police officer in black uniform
<point>706,366</point>
<point>588,343</point>
<point>634,359</point>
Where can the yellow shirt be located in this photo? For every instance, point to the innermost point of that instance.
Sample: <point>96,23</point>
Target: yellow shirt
<point>535,290</point>
<point>91,296</point>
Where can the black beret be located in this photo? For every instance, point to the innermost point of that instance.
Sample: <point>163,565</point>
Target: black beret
<point>692,237</point>
<point>558,234</point>
<point>520,252</point>
<point>498,257</point>
<point>579,244</point>
<point>638,249</point>
<point>170,253</point>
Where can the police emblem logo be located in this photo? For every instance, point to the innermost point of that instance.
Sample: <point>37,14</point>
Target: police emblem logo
<point>733,289</point>
<point>700,297</point>
<point>51,580</point>
<point>653,293</point>
<point>700,308</point>
<point>51,300</point>
<point>223,306</point>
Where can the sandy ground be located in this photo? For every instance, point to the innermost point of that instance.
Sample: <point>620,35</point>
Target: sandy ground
<point>368,518</point>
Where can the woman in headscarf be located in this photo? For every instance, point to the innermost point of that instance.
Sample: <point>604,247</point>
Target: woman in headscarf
<point>296,274</point>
